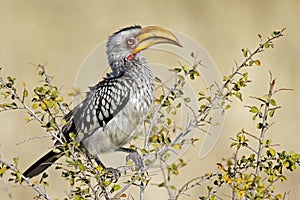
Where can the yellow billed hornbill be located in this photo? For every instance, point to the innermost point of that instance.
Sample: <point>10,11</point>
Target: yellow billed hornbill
<point>114,109</point>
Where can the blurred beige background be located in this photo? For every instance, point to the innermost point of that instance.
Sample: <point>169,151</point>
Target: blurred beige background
<point>63,32</point>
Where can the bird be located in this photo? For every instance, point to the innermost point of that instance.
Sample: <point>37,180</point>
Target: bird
<point>115,108</point>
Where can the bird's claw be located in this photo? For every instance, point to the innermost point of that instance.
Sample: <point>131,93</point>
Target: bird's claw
<point>112,174</point>
<point>136,159</point>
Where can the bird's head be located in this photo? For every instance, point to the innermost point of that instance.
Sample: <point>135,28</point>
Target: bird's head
<point>126,44</point>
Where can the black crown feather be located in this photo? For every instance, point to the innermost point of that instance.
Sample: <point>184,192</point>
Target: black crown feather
<point>127,28</point>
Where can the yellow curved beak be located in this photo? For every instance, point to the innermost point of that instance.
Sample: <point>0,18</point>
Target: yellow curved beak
<point>152,35</point>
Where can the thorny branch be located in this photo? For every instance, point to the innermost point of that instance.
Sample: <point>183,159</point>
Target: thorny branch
<point>36,188</point>
<point>48,80</point>
<point>193,183</point>
<point>22,101</point>
<point>166,179</point>
<point>220,95</point>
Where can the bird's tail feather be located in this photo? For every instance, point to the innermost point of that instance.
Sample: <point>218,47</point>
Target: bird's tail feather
<point>42,164</point>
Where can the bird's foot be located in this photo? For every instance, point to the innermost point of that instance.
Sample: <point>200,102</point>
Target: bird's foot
<point>136,159</point>
<point>112,174</point>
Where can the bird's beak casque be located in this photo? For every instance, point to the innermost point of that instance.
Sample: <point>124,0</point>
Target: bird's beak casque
<point>152,35</point>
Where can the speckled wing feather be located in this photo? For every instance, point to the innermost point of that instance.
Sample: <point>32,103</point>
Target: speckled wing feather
<point>103,102</point>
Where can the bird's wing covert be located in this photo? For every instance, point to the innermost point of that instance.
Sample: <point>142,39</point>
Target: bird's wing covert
<point>102,103</point>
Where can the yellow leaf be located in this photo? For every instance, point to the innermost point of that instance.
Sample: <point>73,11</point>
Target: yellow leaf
<point>107,182</point>
<point>241,194</point>
<point>63,122</point>
<point>177,146</point>
<point>25,93</point>
<point>27,119</point>
<point>129,163</point>
<point>155,144</point>
<point>59,98</point>
<point>2,170</point>
<point>35,106</point>
<point>257,62</point>
<point>227,179</point>
<point>99,168</point>
<point>176,172</point>
<point>43,106</point>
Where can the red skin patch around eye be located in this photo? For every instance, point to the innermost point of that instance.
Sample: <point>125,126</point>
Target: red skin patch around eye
<point>130,56</point>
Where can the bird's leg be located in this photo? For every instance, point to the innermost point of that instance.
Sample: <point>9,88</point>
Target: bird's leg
<point>134,156</point>
<point>110,173</point>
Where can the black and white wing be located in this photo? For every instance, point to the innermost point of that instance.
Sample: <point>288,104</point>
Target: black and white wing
<point>103,102</point>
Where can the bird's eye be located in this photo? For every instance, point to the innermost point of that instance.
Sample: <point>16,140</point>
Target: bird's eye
<point>130,41</point>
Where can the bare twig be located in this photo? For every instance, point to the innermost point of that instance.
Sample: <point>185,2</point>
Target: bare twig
<point>264,124</point>
<point>166,179</point>
<point>193,183</point>
<point>142,189</point>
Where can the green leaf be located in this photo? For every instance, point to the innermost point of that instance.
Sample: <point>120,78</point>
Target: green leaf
<point>176,70</point>
<point>227,106</point>
<point>254,109</point>
<point>272,102</point>
<point>245,52</point>
<point>168,109</point>
<point>69,160</point>
<point>238,95</point>
<point>169,121</point>
<point>233,144</point>
<point>172,187</point>
<point>265,98</point>
<point>16,160</point>
<point>56,150</point>
<point>259,125</point>
<point>201,93</point>
<point>187,99</point>
<point>144,151</point>
<point>156,79</point>
<point>115,188</point>
<point>268,143</point>
<point>251,62</point>
<point>275,33</point>
<point>180,77</point>
<point>260,36</point>
<point>252,157</point>
<point>266,45</point>
<point>271,112</point>
<point>185,68</point>
<point>19,177</point>
<point>245,75</point>
<point>178,105</point>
